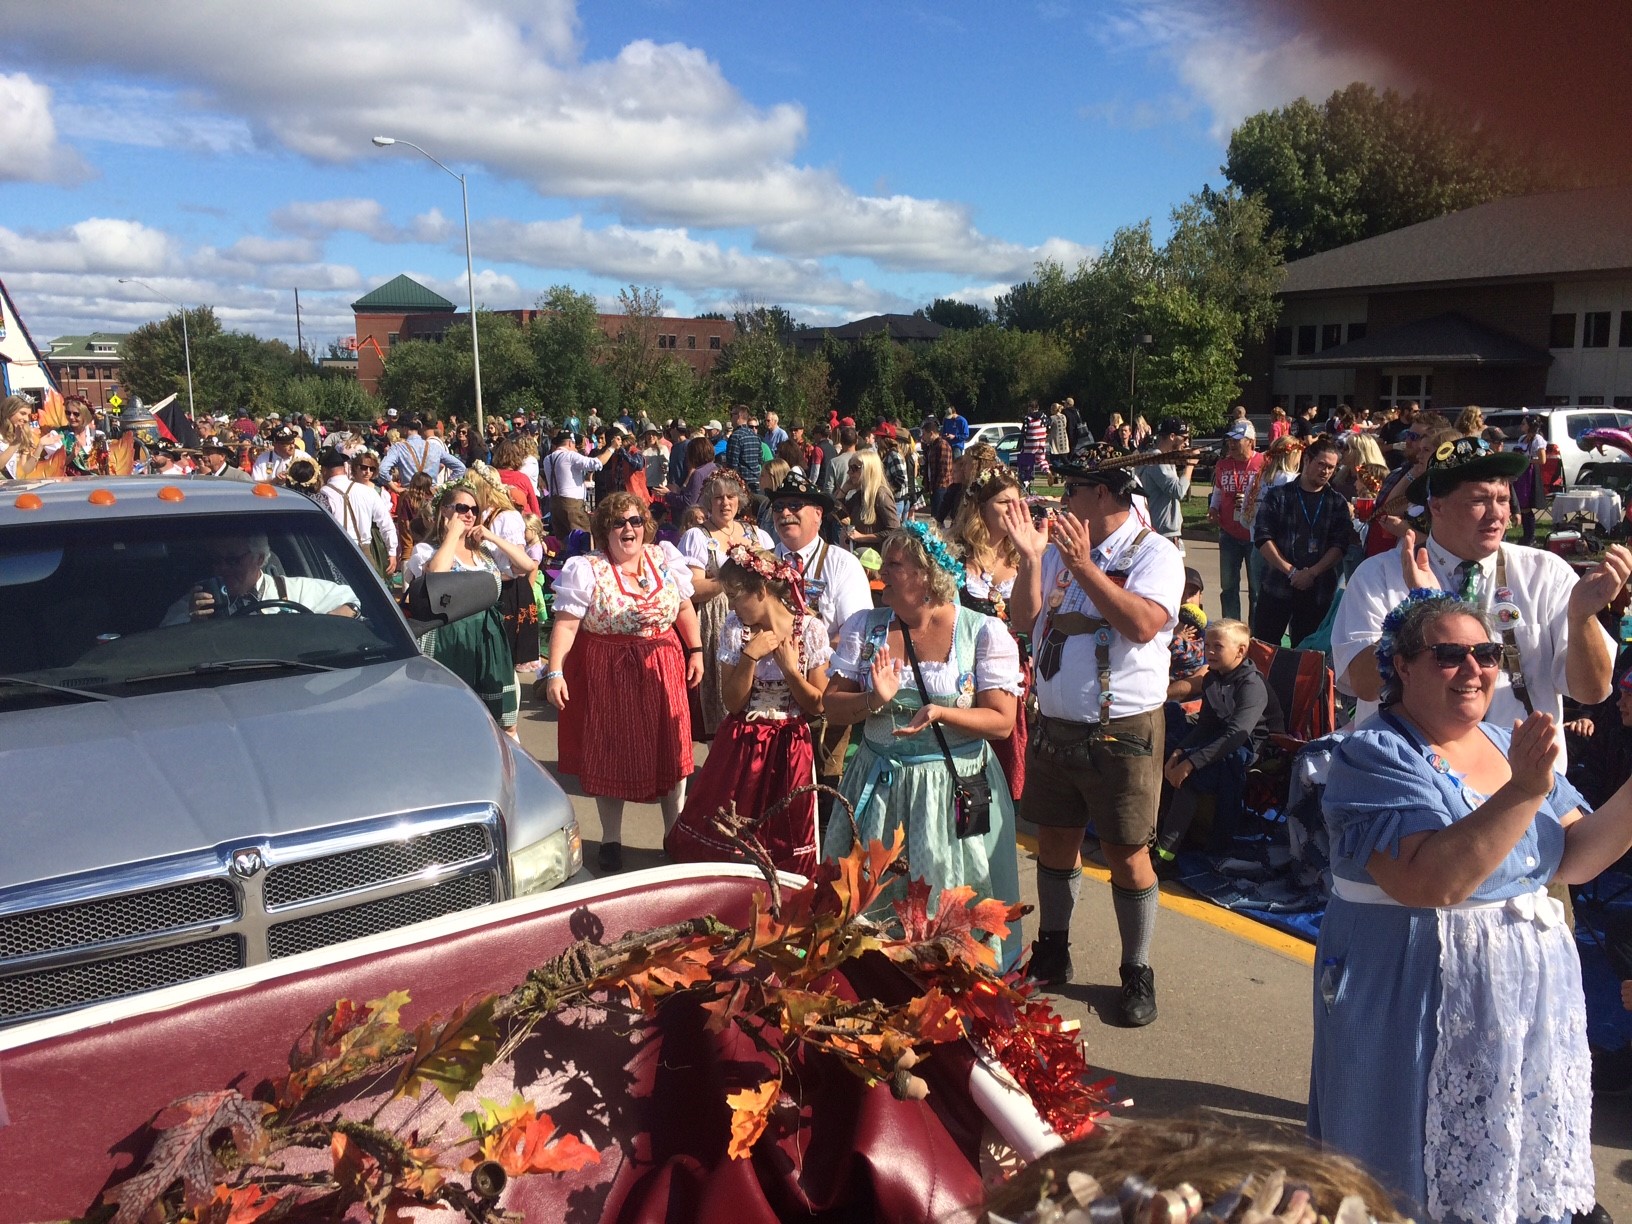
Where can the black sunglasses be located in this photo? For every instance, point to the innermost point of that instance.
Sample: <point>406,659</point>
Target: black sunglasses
<point>634,520</point>
<point>366,467</point>
<point>1073,487</point>
<point>1449,655</point>
<point>462,508</point>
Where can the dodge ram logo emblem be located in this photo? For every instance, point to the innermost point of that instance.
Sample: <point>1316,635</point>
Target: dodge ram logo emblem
<point>246,863</point>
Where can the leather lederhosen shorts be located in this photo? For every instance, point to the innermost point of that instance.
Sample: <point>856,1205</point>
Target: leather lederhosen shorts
<point>1112,776</point>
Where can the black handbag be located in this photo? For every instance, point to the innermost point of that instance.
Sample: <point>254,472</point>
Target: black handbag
<point>971,795</point>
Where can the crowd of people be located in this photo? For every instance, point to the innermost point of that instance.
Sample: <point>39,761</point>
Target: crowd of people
<point>893,613</point>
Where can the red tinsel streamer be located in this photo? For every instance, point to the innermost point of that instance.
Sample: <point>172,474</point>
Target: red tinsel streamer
<point>1045,1056</point>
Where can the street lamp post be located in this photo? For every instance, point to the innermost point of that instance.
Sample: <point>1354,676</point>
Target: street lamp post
<point>186,346</point>
<point>1145,341</point>
<point>386,142</point>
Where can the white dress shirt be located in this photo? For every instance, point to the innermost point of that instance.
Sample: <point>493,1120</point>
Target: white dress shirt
<point>839,589</point>
<point>269,465</point>
<point>1540,584</point>
<point>367,511</point>
<point>1138,669</point>
<point>564,470</point>
<point>315,594</point>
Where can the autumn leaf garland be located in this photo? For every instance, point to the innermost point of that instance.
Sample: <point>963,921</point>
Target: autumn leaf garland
<point>217,1156</point>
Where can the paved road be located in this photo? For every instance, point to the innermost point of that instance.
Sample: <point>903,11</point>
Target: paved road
<point>1234,1028</point>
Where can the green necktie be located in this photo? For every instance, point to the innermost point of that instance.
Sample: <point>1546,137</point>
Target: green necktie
<point>1467,573</point>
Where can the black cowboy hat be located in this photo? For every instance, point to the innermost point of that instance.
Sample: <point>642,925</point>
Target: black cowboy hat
<point>1460,460</point>
<point>1102,463</point>
<point>797,485</point>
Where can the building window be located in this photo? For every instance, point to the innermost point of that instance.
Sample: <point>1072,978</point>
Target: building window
<point>1626,329</point>
<point>1331,335</point>
<point>1594,400</point>
<point>713,342</point>
<point>1328,403</point>
<point>1306,338</point>
<point>1357,331</point>
<point>691,342</point>
<point>1283,342</point>
<point>662,341</point>
<point>1595,329</point>
<point>1300,402</point>
<point>391,339</point>
<point>1623,401</point>
<point>1562,333</point>
<point>674,340</point>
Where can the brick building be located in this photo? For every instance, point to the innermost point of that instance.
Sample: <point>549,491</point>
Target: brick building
<point>87,365</point>
<point>403,309</point>
<point>1521,301</point>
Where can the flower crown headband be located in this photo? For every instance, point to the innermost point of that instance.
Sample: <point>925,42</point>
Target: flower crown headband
<point>746,558</point>
<point>1386,648</point>
<point>937,550</point>
<point>462,485</point>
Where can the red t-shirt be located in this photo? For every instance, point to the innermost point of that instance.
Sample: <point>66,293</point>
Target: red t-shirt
<point>1232,478</point>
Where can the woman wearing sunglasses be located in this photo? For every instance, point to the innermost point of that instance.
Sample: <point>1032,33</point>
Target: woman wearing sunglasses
<point>624,649</point>
<point>1450,1050</point>
<point>474,649</point>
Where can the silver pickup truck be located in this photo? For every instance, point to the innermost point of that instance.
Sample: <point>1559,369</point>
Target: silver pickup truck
<point>182,794</point>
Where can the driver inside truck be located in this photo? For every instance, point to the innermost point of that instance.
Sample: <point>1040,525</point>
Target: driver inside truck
<point>240,584</point>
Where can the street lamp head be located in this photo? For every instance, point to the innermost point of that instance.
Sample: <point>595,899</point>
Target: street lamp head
<point>385,141</point>
<point>124,280</point>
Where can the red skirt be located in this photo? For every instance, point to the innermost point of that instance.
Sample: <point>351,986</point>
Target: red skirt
<point>754,762</point>
<point>626,729</point>
<point>1011,752</point>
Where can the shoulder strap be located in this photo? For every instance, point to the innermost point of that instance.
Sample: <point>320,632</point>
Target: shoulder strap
<point>923,696</point>
<point>1512,664</point>
<point>423,459</point>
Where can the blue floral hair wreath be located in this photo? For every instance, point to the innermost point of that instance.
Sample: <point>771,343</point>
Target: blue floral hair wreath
<point>1391,626</point>
<point>937,550</point>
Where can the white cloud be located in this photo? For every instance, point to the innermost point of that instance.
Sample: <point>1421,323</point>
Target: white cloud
<point>1232,58</point>
<point>29,152</point>
<point>97,245</point>
<point>656,134</point>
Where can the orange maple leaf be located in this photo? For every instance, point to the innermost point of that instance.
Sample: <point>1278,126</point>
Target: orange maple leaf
<point>530,1144</point>
<point>934,1016</point>
<point>861,873</point>
<point>667,972</point>
<point>242,1206</point>
<point>750,1113</point>
<point>957,916</point>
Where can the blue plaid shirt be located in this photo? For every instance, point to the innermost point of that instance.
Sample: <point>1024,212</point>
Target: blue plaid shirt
<point>1303,526</point>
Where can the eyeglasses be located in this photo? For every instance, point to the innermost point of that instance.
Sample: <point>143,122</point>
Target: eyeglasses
<point>634,520</point>
<point>1449,655</point>
<point>462,508</point>
<point>1072,488</point>
<point>365,467</point>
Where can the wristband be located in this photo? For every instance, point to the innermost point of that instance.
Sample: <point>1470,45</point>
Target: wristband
<point>691,650</point>
<point>555,675</point>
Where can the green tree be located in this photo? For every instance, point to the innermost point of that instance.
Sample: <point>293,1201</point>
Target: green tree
<point>567,343</point>
<point>1033,305</point>
<point>758,367</point>
<point>153,361</point>
<point>421,377</point>
<point>1363,163</point>
<point>633,357</point>
<point>962,316</point>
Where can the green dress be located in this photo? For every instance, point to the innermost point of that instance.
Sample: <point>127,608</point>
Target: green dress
<point>475,649</point>
<point>897,782</point>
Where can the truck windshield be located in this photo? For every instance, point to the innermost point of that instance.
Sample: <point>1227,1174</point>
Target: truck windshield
<point>120,607</point>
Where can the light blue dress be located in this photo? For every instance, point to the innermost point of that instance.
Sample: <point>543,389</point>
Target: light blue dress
<point>1450,1049</point>
<point>897,782</point>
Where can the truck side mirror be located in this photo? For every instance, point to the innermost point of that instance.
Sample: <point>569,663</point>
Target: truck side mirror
<point>434,600</point>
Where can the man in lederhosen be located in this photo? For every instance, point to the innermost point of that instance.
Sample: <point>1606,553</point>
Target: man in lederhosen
<point>1100,592</point>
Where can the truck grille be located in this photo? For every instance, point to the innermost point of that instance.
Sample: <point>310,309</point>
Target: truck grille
<point>94,922</point>
<point>124,938</point>
<point>53,990</point>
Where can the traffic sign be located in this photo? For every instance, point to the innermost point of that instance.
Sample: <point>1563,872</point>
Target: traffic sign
<point>114,401</point>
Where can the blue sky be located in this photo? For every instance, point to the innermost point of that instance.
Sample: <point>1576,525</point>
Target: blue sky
<point>838,159</point>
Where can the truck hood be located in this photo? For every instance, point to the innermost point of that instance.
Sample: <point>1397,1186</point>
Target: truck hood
<point>102,783</point>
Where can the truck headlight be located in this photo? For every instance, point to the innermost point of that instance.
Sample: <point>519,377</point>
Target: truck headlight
<point>547,863</point>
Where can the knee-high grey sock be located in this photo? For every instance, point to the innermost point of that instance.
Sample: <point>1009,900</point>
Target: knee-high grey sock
<point>1135,919</point>
<point>1056,896</point>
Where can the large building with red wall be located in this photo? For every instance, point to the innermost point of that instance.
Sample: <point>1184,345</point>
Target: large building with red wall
<point>403,309</point>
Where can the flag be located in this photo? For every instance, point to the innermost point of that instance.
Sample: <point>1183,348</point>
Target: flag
<point>176,425</point>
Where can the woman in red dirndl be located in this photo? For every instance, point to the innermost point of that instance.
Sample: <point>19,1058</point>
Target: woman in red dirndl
<point>773,665</point>
<point>990,565</point>
<point>623,651</point>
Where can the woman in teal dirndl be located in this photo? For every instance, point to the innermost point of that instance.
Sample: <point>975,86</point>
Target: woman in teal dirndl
<point>899,777</point>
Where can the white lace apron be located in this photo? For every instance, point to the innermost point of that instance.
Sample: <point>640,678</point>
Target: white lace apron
<point>1509,1093</point>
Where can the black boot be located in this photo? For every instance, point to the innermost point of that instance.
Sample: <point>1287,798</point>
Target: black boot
<point>1138,995</point>
<point>1050,963</point>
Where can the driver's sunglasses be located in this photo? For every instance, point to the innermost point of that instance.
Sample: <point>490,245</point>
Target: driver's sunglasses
<point>233,559</point>
<point>463,508</point>
<point>1449,655</point>
<point>634,520</point>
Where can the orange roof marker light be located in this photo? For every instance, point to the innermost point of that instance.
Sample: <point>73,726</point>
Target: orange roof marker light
<point>101,497</point>
<point>265,490</point>
<point>170,493</point>
<point>28,501</point>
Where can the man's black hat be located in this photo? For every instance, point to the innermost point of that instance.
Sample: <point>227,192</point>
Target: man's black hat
<point>797,485</point>
<point>1461,460</point>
